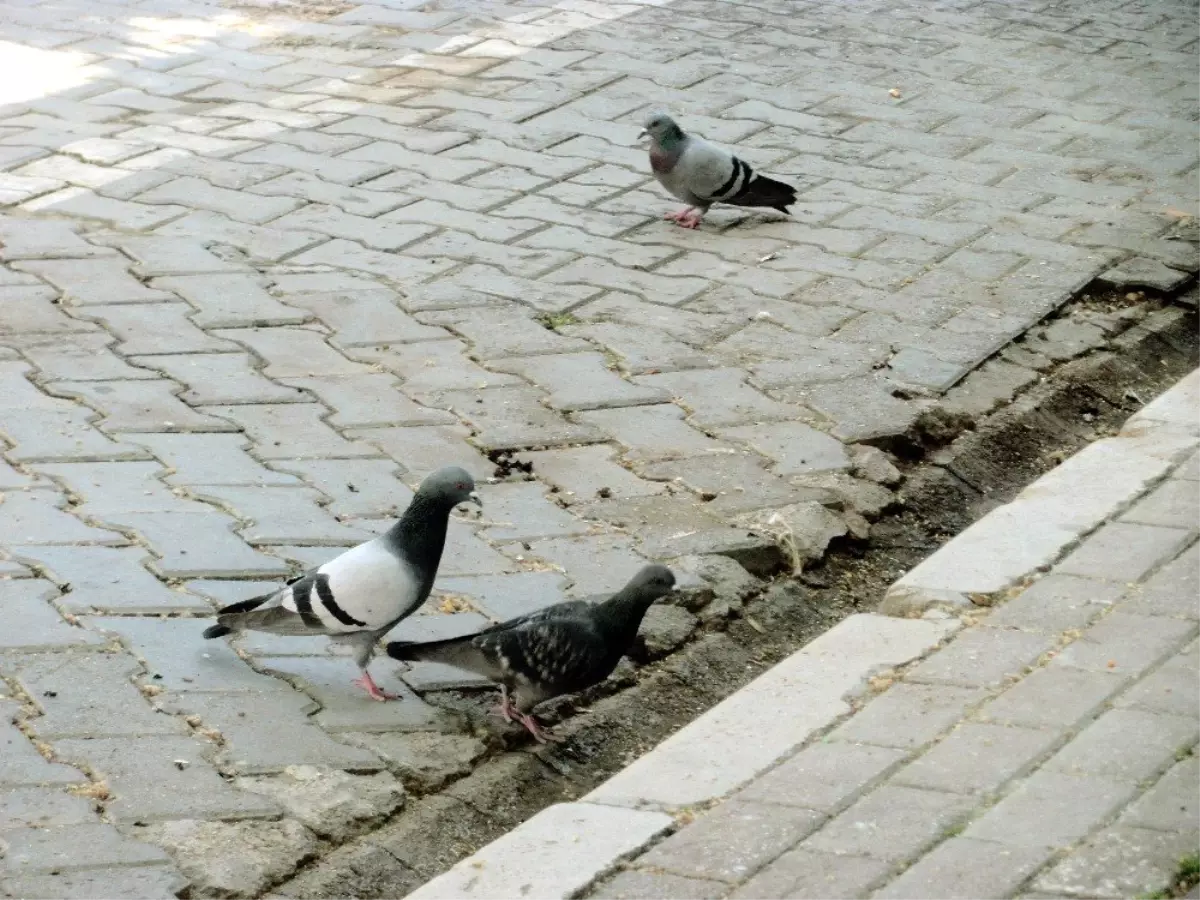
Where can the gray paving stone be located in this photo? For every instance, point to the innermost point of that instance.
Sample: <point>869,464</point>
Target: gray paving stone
<point>344,706</point>
<point>807,874</point>
<point>367,318</point>
<point>1168,689</point>
<point>1126,745</point>
<point>796,448</point>
<point>891,823</point>
<point>1124,551</point>
<point>506,596</point>
<point>220,378</point>
<point>582,381</point>
<point>595,564</point>
<point>160,778</point>
<point>861,408</point>
<point>157,255</point>
<point>369,400</point>
<point>637,885</point>
<point>73,847</point>
<point>524,511</point>
<point>1051,810</point>
<point>732,482</point>
<point>1056,603</point>
<point>1172,804</point>
<point>291,431</point>
<point>1173,504</point>
<point>38,517</point>
<point>1121,862</point>
<point>421,450</point>
<point>88,695</point>
<point>211,459</point>
<point>583,473</point>
<point>109,488</point>
<point>29,604</point>
<point>156,328</point>
<point>732,841</point>
<point>83,884</point>
<point>514,417</point>
<point>282,515</point>
<point>106,580</point>
<point>135,406</point>
<point>360,488</point>
<point>43,807</point>
<point>978,758</point>
<point>177,661</point>
<point>197,545</point>
<point>87,357</point>
<point>652,432</point>
<point>292,352</point>
<point>719,397</point>
<point>20,762</point>
<point>268,732</point>
<point>965,868</point>
<point>1053,697</point>
<point>1171,591</point>
<point>235,858</point>
<point>825,776</point>
<point>641,351</point>
<point>982,657</point>
<point>88,282</point>
<point>1124,644</point>
<point>429,367</point>
<point>46,435</point>
<point>908,715</point>
<point>230,301</point>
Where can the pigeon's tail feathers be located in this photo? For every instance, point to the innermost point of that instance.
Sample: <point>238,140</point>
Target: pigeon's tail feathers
<point>760,190</point>
<point>459,651</point>
<point>228,616</point>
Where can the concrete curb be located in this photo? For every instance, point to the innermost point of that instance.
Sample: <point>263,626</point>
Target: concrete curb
<point>1015,541</point>
<point>562,849</point>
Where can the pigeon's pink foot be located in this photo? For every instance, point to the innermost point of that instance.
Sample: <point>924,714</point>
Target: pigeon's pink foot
<point>691,219</point>
<point>532,726</point>
<point>504,709</point>
<point>680,216</point>
<point>367,683</point>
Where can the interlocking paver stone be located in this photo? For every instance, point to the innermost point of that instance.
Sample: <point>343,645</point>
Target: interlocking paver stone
<point>733,841</point>
<point>965,868</point>
<point>909,715</point>
<point>1051,809</point>
<point>805,873</point>
<point>978,757</point>
<point>1120,862</point>
<point>891,823</point>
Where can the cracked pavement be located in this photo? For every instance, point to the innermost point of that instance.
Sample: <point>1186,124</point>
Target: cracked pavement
<point>264,266</point>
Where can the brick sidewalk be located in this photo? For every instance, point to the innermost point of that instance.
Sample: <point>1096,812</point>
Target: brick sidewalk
<point>1048,751</point>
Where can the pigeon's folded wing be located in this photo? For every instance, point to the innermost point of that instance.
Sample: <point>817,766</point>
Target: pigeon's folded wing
<point>365,589</point>
<point>553,655</point>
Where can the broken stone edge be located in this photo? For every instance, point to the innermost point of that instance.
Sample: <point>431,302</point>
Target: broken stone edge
<point>1051,516</point>
<point>566,847</point>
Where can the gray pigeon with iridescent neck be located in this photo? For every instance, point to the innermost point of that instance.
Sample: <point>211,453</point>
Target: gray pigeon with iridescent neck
<point>559,650</point>
<point>358,597</point>
<point>700,174</point>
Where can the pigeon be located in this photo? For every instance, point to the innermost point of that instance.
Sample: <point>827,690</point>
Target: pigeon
<point>701,174</point>
<point>558,650</point>
<point>359,596</point>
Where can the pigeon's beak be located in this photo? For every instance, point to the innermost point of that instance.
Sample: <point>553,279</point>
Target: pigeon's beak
<point>643,133</point>
<point>474,498</point>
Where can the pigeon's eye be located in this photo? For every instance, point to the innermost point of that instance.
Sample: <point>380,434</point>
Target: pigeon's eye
<point>461,486</point>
